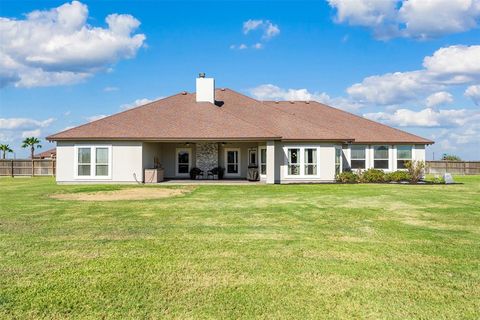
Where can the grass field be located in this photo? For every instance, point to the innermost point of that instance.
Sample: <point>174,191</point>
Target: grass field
<point>291,251</point>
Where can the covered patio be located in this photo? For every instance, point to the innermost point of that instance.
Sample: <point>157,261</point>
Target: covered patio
<point>206,161</point>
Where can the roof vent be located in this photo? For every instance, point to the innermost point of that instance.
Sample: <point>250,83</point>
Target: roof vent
<point>276,101</point>
<point>222,89</point>
<point>201,75</point>
<point>184,93</point>
<point>307,102</point>
<point>292,102</point>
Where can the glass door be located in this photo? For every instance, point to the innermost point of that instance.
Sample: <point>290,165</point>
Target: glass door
<point>232,157</point>
<point>183,162</point>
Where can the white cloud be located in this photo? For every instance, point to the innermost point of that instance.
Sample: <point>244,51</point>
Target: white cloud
<point>96,117</point>
<point>426,19</point>
<point>268,29</point>
<point>251,24</point>
<point>271,30</point>
<point>452,65</point>
<point>24,123</point>
<point>110,89</point>
<point>137,103</point>
<point>421,19</point>
<point>12,130</point>
<point>427,117</point>
<point>57,46</point>
<point>438,98</point>
<point>272,92</point>
<point>32,133</point>
<point>473,92</point>
<point>455,64</point>
<point>241,46</point>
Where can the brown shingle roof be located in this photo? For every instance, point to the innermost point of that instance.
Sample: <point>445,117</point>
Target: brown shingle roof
<point>235,117</point>
<point>361,129</point>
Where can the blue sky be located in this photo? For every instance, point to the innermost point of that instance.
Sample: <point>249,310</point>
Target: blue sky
<point>62,64</point>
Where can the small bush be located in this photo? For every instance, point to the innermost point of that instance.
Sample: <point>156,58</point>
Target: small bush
<point>415,170</point>
<point>397,176</point>
<point>347,177</point>
<point>194,172</point>
<point>373,176</point>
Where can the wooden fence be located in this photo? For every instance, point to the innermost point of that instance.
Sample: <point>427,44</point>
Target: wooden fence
<point>453,167</point>
<point>37,167</point>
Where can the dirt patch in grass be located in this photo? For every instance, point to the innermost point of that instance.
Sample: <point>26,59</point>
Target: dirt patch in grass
<point>123,194</point>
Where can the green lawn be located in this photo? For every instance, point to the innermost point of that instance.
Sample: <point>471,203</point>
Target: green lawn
<point>291,251</point>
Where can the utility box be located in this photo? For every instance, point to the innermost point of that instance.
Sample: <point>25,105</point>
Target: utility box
<point>153,175</point>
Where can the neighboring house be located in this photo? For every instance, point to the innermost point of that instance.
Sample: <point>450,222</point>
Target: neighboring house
<point>49,154</point>
<point>289,141</point>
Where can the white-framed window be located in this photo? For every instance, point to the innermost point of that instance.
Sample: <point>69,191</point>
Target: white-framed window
<point>263,160</point>
<point>338,160</point>
<point>380,157</point>
<point>404,154</point>
<point>93,161</point>
<point>183,161</point>
<point>232,161</point>
<point>357,157</point>
<point>302,161</point>
<point>293,161</point>
<point>310,161</point>
<point>252,157</point>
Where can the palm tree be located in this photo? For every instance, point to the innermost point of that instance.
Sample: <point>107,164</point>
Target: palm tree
<point>5,148</point>
<point>31,142</point>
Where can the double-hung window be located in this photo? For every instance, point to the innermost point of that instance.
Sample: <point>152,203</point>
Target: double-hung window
<point>357,156</point>
<point>338,160</point>
<point>380,157</point>
<point>263,160</point>
<point>294,161</point>
<point>310,161</point>
<point>404,154</point>
<point>84,161</point>
<point>93,162</point>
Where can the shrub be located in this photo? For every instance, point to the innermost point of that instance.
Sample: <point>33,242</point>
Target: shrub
<point>397,176</point>
<point>372,176</point>
<point>415,170</point>
<point>451,157</point>
<point>347,177</point>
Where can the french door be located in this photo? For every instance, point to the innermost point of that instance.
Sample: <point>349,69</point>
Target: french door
<point>232,162</point>
<point>183,161</point>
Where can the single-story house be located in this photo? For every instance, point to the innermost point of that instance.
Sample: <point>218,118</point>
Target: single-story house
<point>288,141</point>
<point>48,154</point>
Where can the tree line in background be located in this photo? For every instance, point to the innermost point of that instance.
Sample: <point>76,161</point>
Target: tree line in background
<point>30,142</point>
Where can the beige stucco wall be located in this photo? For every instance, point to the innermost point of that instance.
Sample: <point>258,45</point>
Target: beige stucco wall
<point>326,164</point>
<point>126,162</point>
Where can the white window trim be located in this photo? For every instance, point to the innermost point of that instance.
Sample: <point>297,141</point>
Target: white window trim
<point>92,175</point>
<point>238,162</point>
<point>302,174</point>
<point>388,158</point>
<point>189,150</point>
<point>260,163</point>
<point>364,159</point>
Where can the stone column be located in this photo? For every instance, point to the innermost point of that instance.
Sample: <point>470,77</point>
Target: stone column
<point>206,155</point>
